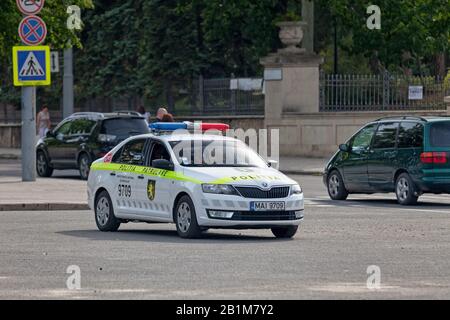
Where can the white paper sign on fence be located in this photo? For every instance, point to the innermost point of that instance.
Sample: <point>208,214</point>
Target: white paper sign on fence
<point>415,93</point>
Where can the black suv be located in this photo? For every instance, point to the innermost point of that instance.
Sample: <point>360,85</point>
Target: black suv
<point>84,137</point>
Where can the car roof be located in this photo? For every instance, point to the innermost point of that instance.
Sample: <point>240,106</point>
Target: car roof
<point>104,116</point>
<point>413,118</point>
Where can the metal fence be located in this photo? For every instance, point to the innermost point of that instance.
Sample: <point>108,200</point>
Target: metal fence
<point>199,97</point>
<point>214,97</point>
<point>380,93</point>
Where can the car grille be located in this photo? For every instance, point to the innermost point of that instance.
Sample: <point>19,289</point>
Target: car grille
<point>256,193</point>
<point>263,216</point>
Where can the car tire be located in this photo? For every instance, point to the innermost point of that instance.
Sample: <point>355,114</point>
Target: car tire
<point>284,232</point>
<point>405,190</point>
<point>186,219</point>
<point>84,166</point>
<point>43,167</point>
<point>335,186</point>
<point>104,213</point>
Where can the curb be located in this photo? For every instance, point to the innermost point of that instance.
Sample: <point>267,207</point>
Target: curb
<point>43,206</point>
<point>9,157</point>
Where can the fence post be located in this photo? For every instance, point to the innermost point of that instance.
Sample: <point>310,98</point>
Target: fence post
<point>386,87</point>
<point>201,93</point>
<point>322,90</point>
<point>233,98</point>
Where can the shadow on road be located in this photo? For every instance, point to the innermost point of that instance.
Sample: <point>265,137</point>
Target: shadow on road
<point>168,236</point>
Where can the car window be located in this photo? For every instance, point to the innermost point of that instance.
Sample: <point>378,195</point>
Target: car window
<point>63,129</point>
<point>440,134</point>
<point>116,157</point>
<point>385,136</point>
<point>410,135</point>
<point>132,153</point>
<point>124,127</point>
<point>159,151</point>
<point>81,126</point>
<point>363,138</point>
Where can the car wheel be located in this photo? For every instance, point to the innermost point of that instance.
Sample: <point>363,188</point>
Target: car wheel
<point>336,187</point>
<point>186,219</point>
<point>84,165</point>
<point>43,167</point>
<point>284,232</point>
<point>104,213</point>
<point>405,190</point>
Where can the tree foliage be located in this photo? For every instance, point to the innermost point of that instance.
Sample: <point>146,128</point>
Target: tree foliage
<point>59,36</point>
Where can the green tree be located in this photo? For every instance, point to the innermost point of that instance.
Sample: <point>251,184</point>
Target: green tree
<point>412,32</point>
<point>58,36</point>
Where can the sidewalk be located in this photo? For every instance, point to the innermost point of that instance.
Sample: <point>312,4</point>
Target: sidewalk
<point>69,193</point>
<point>9,154</point>
<point>44,194</point>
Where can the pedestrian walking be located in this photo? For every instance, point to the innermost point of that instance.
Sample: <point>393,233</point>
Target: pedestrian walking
<point>160,114</point>
<point>43,123</point>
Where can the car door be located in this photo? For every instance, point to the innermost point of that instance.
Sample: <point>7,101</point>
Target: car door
<point>80,133</point>
<point>153,190</point>
<point>125,179</point>
<point>383,161</point>
<point>56,143</point>
<point>354,164</point>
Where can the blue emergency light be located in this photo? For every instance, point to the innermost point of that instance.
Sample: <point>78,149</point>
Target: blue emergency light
<point>167,126</point>
<point>172,126</point>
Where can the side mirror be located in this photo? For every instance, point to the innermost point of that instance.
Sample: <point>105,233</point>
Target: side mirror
<point>344,147</point>
<point>273,164</point>
<point>49,134</point>
<point>163,164</point>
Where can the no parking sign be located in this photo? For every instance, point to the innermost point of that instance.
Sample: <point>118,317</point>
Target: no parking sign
<point>32,30</point>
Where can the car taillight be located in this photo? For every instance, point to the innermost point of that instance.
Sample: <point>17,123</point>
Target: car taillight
<point>433,157</point>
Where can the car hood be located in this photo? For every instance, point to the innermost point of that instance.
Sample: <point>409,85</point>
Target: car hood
<point>264,177</point>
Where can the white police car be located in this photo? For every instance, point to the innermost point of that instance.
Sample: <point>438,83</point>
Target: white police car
<point>178,178</point>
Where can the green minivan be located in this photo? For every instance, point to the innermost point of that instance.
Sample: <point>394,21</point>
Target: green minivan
<point>406,155</point>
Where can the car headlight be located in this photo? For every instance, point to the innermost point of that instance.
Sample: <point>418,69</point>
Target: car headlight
<point>218,189</point>
<point>296,189</point>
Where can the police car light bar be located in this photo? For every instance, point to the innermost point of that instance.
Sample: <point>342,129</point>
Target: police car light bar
<point>168,126</point>
<point>172,126</point>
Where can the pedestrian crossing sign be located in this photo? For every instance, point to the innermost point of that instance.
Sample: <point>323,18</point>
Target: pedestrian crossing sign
<point>31,65</point>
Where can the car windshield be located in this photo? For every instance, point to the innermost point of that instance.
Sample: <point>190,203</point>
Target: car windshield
<point>124,126</point>
<point>216,153</point>
<point>440,134</point>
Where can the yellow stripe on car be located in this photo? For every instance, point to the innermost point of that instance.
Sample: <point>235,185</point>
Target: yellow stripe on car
<point>147,171</point>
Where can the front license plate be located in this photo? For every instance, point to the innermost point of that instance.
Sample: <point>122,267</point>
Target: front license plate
<point>267,206</point>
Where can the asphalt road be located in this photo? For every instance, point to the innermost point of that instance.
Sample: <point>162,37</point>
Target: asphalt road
<point>328,258</point>
<point>12,168</point>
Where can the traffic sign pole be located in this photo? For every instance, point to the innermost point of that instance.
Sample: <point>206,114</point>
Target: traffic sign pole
<point>32,31</point>
<point>28,134</point>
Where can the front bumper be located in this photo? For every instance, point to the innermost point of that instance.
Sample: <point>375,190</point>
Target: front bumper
<point>243,217</point>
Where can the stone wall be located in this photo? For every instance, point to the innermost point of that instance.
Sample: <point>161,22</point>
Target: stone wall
<point>10,135</point>
<point>319,134</point>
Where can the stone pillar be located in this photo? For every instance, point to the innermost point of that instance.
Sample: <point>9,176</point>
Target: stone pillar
<point>291,78</point>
